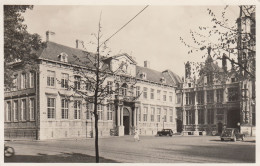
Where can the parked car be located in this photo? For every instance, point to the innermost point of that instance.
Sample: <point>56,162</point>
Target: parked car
<point>167,132</point>
<point>232,134</point>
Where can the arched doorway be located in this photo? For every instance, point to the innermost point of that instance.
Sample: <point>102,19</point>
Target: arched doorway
<point>126,121</point>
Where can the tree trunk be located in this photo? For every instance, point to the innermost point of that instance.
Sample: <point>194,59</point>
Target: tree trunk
<point>96,138</point>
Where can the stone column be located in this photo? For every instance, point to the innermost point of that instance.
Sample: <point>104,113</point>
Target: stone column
<point>121,131</point>
<point>121,113</point>
<point>206,116</point>
<point>118,116</point>
<point>137,117</point>
<point>196,111</point>
<point>134,117</point>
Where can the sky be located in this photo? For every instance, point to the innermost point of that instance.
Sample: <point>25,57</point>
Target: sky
<point>154,35</point>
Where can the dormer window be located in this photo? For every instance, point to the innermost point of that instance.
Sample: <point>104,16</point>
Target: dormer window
<point>163,80</point>
<point>143,75</point>
<point>63,57</point>
<point>189,84</point>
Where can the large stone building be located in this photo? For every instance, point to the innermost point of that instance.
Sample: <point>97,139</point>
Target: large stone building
<point>41,106</point>
<point>219,99</point>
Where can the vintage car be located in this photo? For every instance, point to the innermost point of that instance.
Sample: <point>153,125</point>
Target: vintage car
<point>167,132</point>
<point>232,134</point>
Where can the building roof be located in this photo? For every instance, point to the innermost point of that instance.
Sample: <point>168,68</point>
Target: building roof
<point>52,51</point>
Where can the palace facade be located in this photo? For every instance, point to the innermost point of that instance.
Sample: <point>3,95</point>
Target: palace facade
<point>41,106</point>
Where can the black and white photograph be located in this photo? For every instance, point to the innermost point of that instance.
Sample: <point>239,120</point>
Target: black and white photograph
<point>113,82</point>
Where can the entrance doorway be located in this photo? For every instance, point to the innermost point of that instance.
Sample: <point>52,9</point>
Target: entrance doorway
<point>220,127</point>
<point>233,118</point>
<point>126,121</point>
<point>179,125</point>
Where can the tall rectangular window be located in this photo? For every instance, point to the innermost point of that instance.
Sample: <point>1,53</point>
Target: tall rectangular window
<point>152,114</point>
<point>220,114</point>
<point>32,108</point>
<point>164,95</point>
<point>145,114</point>
<point>23,109</point>
<point>109,111</point>
<point>158,114</point>
<point>89,110</point>
<point>200,116</point>
<point>31,79</point>
<point>200,95</point>
<point>77,108</point>
<point>190,117</point>
<point>219,95</point>
<point>64,109</point>
<point>190,97</point>
<point>210,116</point>
<point>165,115</point>
<point>64,80</point>
<point>23,81</point>
<point>152,93</point>
<point>15,110</point>
<point>51,108</point>
<point>145,93</point>
<point>109,87</point>
<point>170,96</point>
<point>15,83</point>
<point>51,78</point>
<point>138,91</point>
<point>77,80</point>
<point>158,95</point>
<point>8,111</point>
<point>171,114</point>
<point>210,96</point>
<point>209,79</point>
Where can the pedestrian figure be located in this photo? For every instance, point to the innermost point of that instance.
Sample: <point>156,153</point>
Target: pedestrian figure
<point>136,137</point>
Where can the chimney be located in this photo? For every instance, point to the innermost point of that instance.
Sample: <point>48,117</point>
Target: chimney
<point>80,44</point>
<point>187,70</point>
<point>147,64</point>
<point>48,33</point>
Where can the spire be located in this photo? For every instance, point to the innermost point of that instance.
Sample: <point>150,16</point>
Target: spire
<point>209,58</point>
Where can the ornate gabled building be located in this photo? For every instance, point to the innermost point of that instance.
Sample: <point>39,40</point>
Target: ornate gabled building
<point>41,106</point>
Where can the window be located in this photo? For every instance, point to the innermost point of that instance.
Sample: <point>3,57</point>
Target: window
<point>165,115</point>
<point>15,110</point>
<point>109,87</point>
<point>109,111</point>
<point>152,114</point>
<point>89,110</point>
<point>171,115</point>
<point>77,106</point>
<point>50,78</point>
<point>124,89</point>
<point>190,118</point>
<point>145,114</point>
<point>220,114</point>
<point>158,114</point>
<point>178,98</point>
<point>158,95</point>
<point>31,79</point>
<point>210,116</point>
<point>209,79</point>
<point>100,111</point>
<point>23,81</point>
<point>77,80</point>
<point>170,96</point>
<point>15,83</point>
<point>210,96</point>
<point>32,108</point>
<point>233,80</point>
<point>51,108</point>
<point>164,95</point>
<point>200,116</point>
<point>190,98</point>
<point>145,93</point>
<point>200,95</point>
<point>189,84</point>
<point>64,109</point>
<point>138,91</point>
<point>219,95</point>
<point>23,109</point>
<point>64,80</point>
<point>152,93</point>
<point>139,116</point>
<point>8,111</point>
<point>233,94</point>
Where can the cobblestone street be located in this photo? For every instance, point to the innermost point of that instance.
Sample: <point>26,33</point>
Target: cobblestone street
<point>176,149</point>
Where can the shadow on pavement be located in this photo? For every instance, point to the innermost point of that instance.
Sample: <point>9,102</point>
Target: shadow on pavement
<point>59,158</point>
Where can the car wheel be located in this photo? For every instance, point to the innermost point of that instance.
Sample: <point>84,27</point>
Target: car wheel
<point>222,139</point>
<point>235,139</point>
